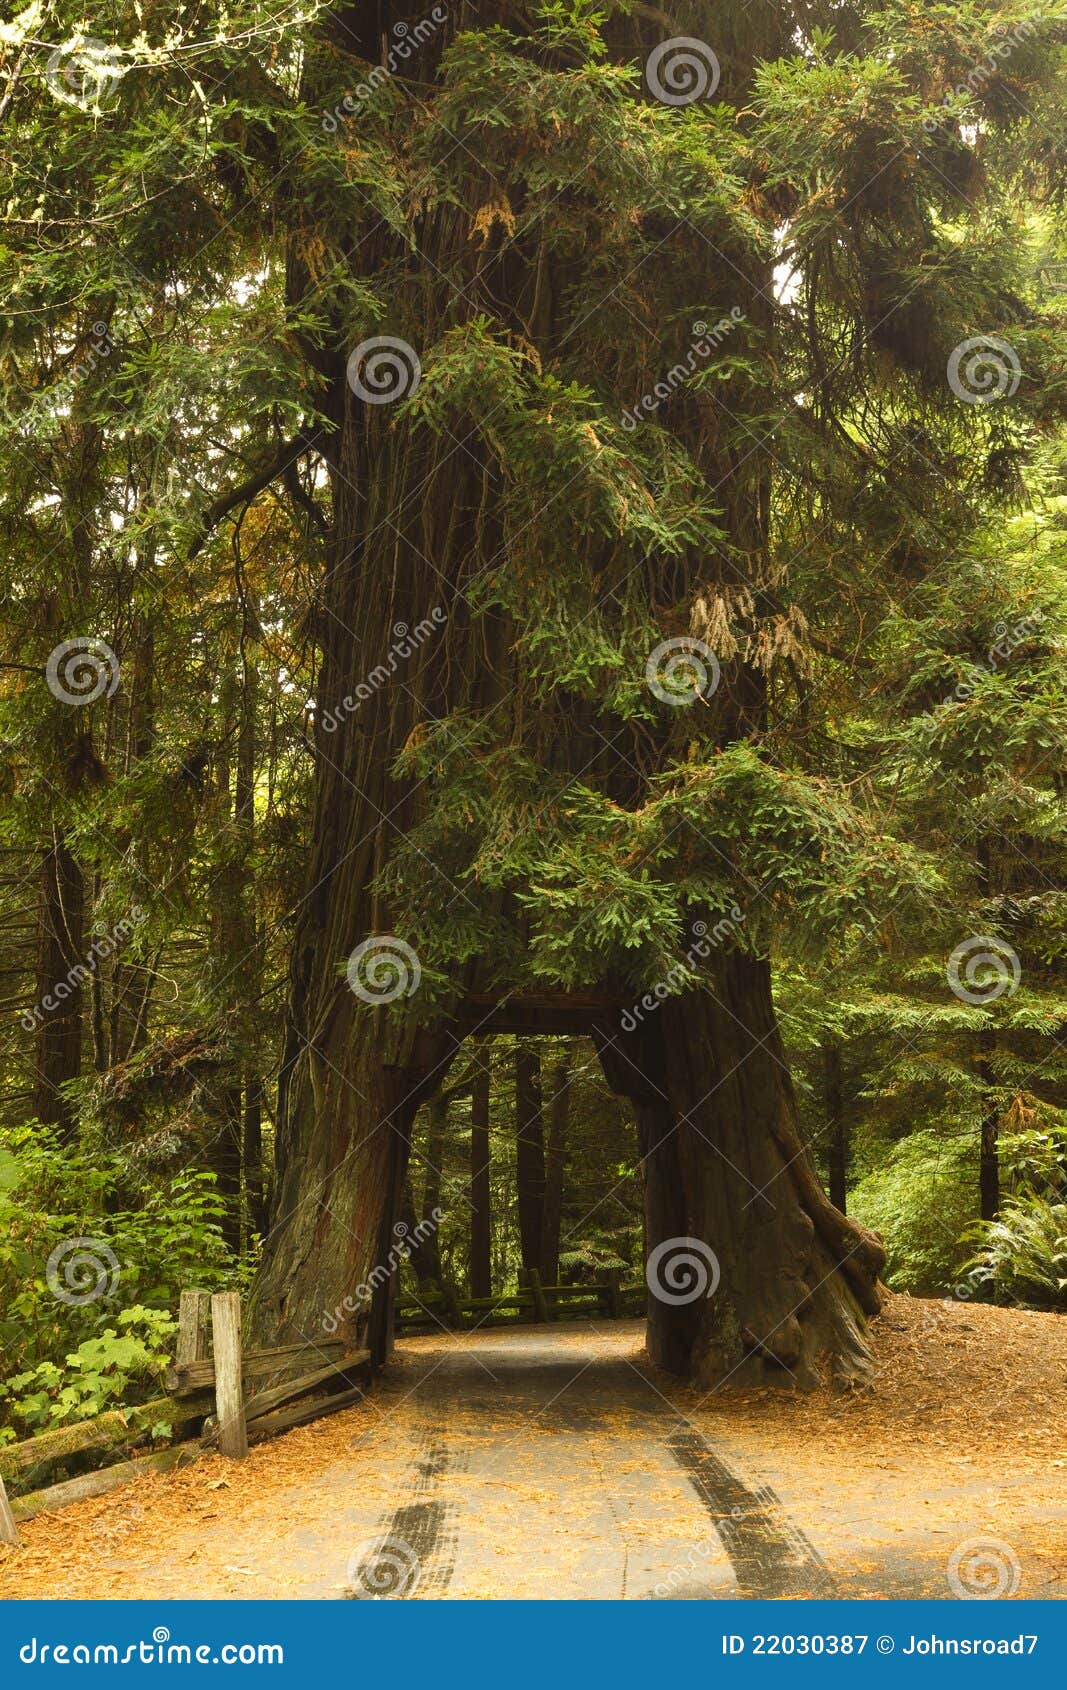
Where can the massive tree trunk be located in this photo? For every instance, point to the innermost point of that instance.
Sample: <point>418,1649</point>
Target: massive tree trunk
<point>342,1152</point>
<point>423,520</point>
<point>754,1276</point>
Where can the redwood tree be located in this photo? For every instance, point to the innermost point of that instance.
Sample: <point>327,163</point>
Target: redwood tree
<point>678,398</point>
<point>618,382</point>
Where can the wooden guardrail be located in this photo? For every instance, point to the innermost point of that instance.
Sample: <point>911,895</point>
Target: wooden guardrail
<point>234,1397</point>
<point>532,1302</point>
<point>210,1393</point>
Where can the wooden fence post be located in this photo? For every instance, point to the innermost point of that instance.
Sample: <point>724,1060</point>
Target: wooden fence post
<point>8,1529</point>
<point>229,1395</point>
<point>614,1288</point>
<point>540,1303</point>
<point>450,1299</point>
<point>194,1313</point>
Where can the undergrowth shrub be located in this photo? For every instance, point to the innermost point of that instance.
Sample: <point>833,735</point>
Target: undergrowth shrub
<point>92,1261</point>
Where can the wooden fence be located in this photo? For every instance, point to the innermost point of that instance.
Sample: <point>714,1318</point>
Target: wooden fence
<point>225,1396</point>
<point>608,1299</point>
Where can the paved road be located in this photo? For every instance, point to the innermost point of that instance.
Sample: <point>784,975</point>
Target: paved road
<point>619,1496</point>
<point>544,1462</point>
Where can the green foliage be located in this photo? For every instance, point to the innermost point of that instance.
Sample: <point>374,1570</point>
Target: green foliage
<point>588,1257</point>
<point>920,1199</point>
<point>74,1336</point>
<point>112,1368</point>
<point>1022,1255</point>
<point>185,267</point>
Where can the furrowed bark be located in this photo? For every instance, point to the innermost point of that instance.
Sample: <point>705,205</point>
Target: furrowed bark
<point>725,1166</point>
<point>61,972</point>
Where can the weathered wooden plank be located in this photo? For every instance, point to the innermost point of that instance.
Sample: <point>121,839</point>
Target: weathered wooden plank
<point>194,1319</point>
<point>523,1300</point>
<point>8,1529</point>
<point>103,1480</point>
<point>194,1376</point>
<point>350,1368</point>
<point>229,1394</point>
<point>269,1425</point>
<point>118,1426</point>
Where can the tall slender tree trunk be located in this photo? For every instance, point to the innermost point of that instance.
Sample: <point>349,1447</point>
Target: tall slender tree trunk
<point>529,1153</point>
<point>132,984</point>
<point>432,1185</point>
<point>555,1163</point>
<point>836,1124</point>
<point>60,975</point>
<point>422,1251</point>
<point>224,1129</point>
<point>481,1193</point>
<point>989,1141</point>
<point>989,1131</point>
<point>252,1152</point>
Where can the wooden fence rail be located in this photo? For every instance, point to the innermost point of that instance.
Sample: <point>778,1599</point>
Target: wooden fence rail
<point>533,1301</point>
<point>212,1394</point>
<point>229,1397</point>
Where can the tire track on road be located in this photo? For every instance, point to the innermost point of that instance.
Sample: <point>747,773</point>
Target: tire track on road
<point>414,1552</point>
<point>770,1555</point>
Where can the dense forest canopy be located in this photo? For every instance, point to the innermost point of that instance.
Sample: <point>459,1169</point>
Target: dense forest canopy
<point>541,523</point>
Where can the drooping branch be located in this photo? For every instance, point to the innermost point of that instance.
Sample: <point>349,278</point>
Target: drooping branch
<point>279,464</point>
